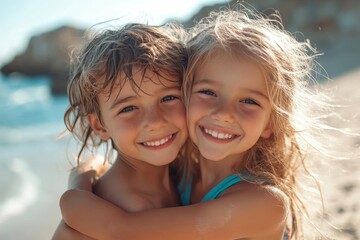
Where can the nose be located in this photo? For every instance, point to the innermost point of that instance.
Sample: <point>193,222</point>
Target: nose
<point>224,112</point>
<point>153,119</point>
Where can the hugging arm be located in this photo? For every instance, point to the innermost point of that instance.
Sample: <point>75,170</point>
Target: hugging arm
<point>64,232</point>
<point>234,215</point>
<point>81,177</point>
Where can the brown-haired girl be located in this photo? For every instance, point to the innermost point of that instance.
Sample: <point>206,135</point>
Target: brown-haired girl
<point>125,94</point>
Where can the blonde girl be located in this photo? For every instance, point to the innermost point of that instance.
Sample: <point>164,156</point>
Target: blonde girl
<point>248,101</point>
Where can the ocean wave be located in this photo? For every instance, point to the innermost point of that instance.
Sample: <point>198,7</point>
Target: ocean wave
<point>33,133</point>
<point>29,95</point>
<point>25,192</point>
<point>20,90</point>
<point>25,103</point>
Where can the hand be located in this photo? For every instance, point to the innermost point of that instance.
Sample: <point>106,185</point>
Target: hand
<point>87,172</point>
<point>94,163</point>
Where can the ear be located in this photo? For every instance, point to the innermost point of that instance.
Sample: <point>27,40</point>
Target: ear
<point>267,132</point>
<point>97,126</point>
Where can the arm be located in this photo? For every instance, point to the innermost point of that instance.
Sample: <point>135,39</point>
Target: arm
<point>79,181</point>
<point>81,177</point>
<point>234,215</point>
<point>64,232</point>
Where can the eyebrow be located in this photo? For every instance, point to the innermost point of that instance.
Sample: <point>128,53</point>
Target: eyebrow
<point>121,100</point>
<point>205,81</point>
<point>128,98</point>
<point>170,88</point>
<point>211,82</point>
<point>256,92</point>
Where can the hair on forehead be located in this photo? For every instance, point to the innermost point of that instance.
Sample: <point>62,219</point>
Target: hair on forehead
<point>111,56</point>
<point>155,76</point>
<point>144,47</point>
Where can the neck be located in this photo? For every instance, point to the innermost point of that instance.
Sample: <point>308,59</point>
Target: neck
<point>143,175</point>
<point>212,172</point>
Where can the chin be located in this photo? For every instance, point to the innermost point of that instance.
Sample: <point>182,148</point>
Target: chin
<point>212,156</point>
<point>169,159</point>
<point>160,164</point>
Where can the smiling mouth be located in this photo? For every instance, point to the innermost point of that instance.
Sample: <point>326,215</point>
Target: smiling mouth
<point>218,135</point>
<point>159,142</point>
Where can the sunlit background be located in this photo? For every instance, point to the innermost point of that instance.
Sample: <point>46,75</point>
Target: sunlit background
<point>21,19</point>
<point>34,164</point>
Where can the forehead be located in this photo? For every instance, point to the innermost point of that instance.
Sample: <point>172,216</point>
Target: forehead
<point>224,65</point>
<point>231,74</point>
<point>142,82</point>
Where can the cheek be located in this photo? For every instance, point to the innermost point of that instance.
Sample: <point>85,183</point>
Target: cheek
<point>122,128</point>
<point>254,120</point>
<point>176,114</point>
<point>249,115</point>
<point>197,109</point>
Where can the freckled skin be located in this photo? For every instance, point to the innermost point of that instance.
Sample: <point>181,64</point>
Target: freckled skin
<point>229,96</point>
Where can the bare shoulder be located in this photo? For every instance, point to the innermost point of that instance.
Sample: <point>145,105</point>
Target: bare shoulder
<point>261,209</point>
<point>255,192</point>
<point>258,197</point>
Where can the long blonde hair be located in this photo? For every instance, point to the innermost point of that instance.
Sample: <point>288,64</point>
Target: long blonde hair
<point>288,66</point>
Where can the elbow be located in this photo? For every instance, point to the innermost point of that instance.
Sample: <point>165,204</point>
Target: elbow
<point>67,202</point>
<point>280,216</point>
<point>278,209</point>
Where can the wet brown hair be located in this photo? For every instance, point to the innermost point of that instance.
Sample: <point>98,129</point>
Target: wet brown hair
<point>111,53</point>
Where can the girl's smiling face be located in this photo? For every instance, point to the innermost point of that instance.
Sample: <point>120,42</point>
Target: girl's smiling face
<point>146,124</point>
<point>229,108</point>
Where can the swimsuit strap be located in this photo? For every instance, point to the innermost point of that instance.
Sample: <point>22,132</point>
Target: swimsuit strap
<point>184,188</point>
<point>215,192</point>
<point>221,187</point>
<point>185,191</point>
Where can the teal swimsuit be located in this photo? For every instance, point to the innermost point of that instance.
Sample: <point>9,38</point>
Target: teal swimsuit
<point>215,192</point>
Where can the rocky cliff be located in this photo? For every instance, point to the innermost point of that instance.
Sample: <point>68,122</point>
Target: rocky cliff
<point>48,54</point>
<point>332,26</point>
<point>317,18</point>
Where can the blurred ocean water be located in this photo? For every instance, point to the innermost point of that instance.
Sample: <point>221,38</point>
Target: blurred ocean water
<point>33,164</point>
<point>28,112</point>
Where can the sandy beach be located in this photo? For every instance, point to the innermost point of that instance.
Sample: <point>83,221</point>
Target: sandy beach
<point>34,183</point>
<point>340,179</point>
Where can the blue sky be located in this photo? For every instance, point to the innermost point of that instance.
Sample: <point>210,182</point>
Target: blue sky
<point>21,19</point>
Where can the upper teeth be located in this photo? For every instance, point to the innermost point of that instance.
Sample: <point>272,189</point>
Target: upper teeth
<point>158,142</point>
<point>218,135</point>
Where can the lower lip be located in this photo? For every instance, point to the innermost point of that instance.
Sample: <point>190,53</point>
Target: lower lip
<point>217,140</point>
<point>161,146</point>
